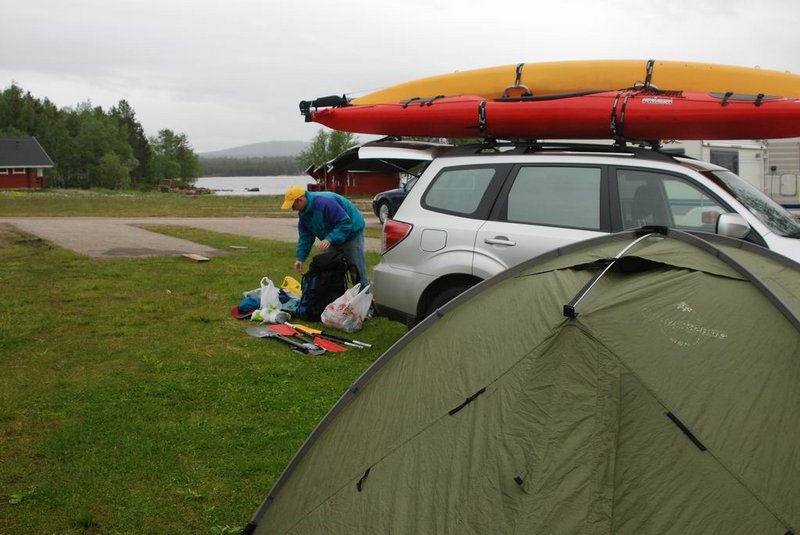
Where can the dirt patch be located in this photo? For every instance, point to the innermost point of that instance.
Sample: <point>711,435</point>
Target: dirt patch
<point>9,234</point>
<point>6,232</point>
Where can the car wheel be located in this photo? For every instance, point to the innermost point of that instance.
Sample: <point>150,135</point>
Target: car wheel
<point>445,296</point>
<point>384,212</point>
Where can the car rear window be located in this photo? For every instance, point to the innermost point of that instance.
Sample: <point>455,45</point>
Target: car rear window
<point>459,191</point>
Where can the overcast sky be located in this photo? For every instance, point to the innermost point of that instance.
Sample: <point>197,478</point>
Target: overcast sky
<point>230,73</point>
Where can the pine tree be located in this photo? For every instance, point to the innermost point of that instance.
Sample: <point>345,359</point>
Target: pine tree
<point>132,129</point>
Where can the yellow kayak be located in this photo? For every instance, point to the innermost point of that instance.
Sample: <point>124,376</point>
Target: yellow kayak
<point>575,76</point>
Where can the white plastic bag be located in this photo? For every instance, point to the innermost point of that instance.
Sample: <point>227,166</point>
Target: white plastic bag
<point>269,294</point>
<point>349,311</point>
<point>270,307</point>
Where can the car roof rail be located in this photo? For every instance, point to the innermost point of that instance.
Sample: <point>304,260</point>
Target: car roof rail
<point>491,146</point>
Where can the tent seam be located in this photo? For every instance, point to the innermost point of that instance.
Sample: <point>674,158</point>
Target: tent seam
<point>432,423</point>
<point>664,405</point>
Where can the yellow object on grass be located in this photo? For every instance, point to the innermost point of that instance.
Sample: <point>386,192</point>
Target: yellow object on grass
<point>291,284</point>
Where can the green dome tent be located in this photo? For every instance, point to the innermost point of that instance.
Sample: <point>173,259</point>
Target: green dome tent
<point>643,382</point>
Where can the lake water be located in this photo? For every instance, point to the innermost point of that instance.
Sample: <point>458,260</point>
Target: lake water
<point>238,185</point>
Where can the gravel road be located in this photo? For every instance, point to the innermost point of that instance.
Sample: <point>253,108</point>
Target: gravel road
<point>123,237</point>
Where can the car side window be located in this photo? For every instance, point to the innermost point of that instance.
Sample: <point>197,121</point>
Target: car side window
<point>459,191</point>
<point>556,195</point>
<point>651,198</point>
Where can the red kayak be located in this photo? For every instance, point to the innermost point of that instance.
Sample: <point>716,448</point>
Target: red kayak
<point>629,114</point>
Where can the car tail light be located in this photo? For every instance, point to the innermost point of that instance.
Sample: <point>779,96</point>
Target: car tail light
<point>393,233</point>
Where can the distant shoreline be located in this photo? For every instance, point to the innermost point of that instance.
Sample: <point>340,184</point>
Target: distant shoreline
<point>251,185</point>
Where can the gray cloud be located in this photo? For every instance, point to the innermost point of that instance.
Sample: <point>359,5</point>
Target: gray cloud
<point>232,73</point>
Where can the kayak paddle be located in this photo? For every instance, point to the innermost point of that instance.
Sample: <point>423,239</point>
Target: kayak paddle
<point>287,330</point>
<point>325,334</point>
<point>307,349</point>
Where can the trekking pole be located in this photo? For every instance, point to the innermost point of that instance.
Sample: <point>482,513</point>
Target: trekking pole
<point>356,343</point>
<point>326,334</point>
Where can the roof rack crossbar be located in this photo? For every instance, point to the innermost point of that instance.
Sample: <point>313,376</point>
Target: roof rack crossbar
<point>528,147</point>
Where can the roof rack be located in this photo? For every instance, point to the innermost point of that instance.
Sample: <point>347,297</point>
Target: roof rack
<point>490,146</point>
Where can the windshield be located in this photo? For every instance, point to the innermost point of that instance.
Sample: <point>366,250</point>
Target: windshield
<point>765,209</point>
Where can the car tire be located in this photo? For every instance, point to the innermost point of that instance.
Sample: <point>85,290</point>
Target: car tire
<point>384,212</point>
<point>444,297</point>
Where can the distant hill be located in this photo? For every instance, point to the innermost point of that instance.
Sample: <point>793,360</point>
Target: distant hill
<point>266,149</point>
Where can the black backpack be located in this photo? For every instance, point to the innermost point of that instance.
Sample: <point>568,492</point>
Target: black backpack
<point>327,278</point>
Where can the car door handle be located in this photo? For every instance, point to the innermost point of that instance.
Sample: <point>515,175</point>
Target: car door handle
<point>499,240</point>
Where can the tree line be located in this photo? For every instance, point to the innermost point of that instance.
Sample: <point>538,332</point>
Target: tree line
<point>92,147</point>
<point>95,148</point>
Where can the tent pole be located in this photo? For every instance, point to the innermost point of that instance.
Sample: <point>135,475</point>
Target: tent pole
<point>569,309</point>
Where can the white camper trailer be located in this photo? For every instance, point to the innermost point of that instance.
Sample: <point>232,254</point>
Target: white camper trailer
<point>743,157</point>
<point>782,172</point>
<point>772,166</point>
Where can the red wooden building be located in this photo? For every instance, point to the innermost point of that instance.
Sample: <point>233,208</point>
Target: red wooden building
<point>22,163</point>
<point>347,175</point>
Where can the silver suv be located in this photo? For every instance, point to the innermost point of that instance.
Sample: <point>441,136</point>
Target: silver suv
<point>477,210</point>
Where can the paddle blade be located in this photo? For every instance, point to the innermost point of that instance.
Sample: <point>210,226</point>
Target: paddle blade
<point>282,329</point>
<point>329,345</point>
<point>306,329</point>
<point>260,332</point>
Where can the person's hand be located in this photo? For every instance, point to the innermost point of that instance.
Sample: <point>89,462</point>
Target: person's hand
<point>298,266</point>
<point>324,244</point>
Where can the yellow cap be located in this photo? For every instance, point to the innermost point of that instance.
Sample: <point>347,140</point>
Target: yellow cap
<point>292,194</point>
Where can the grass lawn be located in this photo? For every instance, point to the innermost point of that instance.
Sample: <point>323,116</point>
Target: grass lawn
<point>107,203</point>
<point>130,400</point>
<point>104,203</point>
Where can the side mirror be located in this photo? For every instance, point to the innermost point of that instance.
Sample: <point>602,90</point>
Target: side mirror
<point>732,225</point>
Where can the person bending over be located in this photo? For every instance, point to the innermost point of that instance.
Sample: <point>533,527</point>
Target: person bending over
<point>334,220</point>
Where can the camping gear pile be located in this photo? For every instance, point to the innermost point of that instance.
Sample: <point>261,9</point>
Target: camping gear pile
<point>640,382</point>
<point>328,277</point>
<point>268,304</point>
<point>326,282</point>
<point>324,286</point>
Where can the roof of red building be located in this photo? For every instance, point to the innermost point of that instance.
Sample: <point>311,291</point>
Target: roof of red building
<point>23,151</point>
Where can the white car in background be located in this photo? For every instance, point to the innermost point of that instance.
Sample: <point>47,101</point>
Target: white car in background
<point>477,210</point>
